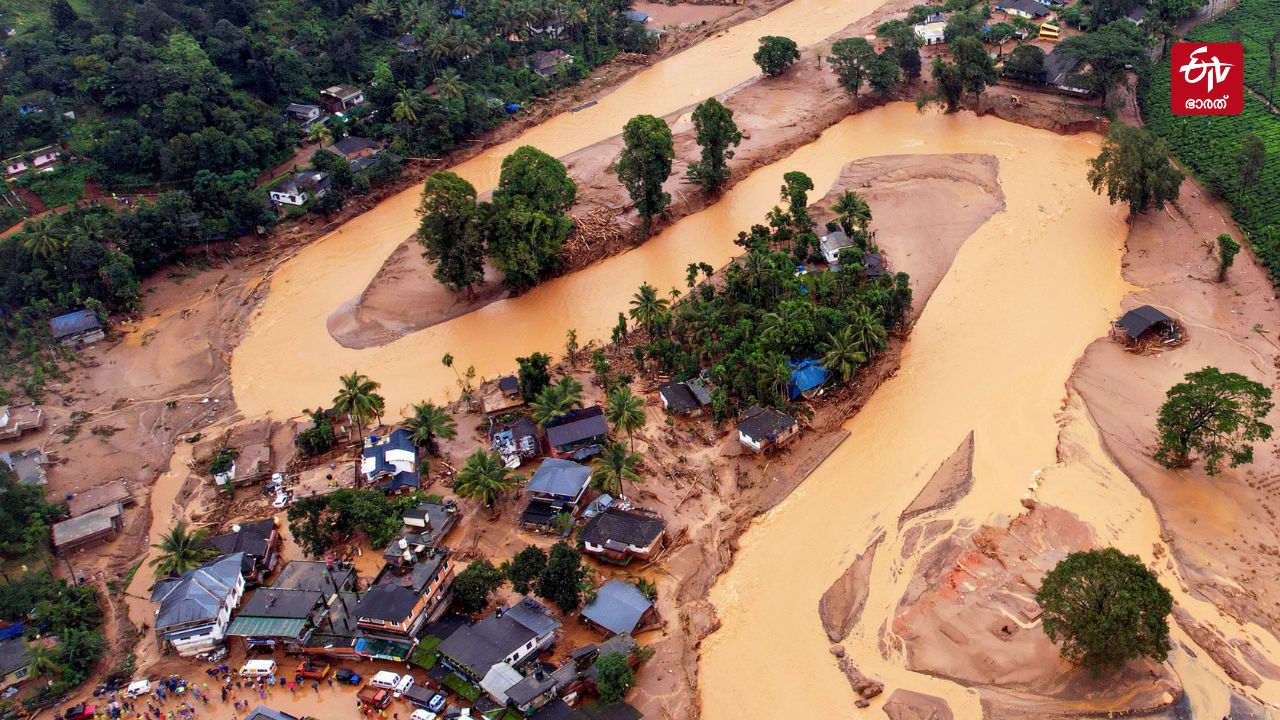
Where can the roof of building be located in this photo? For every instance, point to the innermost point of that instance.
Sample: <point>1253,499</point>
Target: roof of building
<point>315,575</point>
<point>509,383</point>
<point>99,497</point>
<point>278,603</point>
<point>13,654</point>
<point>760,423</point>
<point>873,263</point>
<point>417,577</point>
<point>301,182</point>
<point>406,41</point>
<point>699,391</point>
<point>618,607</point>
<point>351,144</point>
<point>559,477</point>
<point>833,242</point>
<point>1139,320</point>
<point>439,518</point>
<point>806,375</point>
<point>303,108</point>
<point>27,465</point>
<point>636,16</point>
<point>627,527</point>
<point>500,678</point>
<point>86,525</point>
<point>538,512</point>
<point>935,17</point>
<point>1030,7</point>
<point>578,425</point>
<point>199,594</point>
<point>387,602</point>
<point>267,627</point>
<point>495,636</point>
<point>598,711</point>
<point>399,439</point>
<point>679,397</point>
<point>341,92</point>
<point>251,538</point>
<point>73,323</point>
<point>1058,65</point>
<point>540,682</point>
<point>554,710</point>
<point>262,712</point>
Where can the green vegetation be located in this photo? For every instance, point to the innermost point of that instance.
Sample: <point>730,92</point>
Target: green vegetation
<point>181,549</point>
<point>614,677</point>
<point>472,586</point>
<point>425,655</point>
<point>716,131</point>
<point>317,439</point>
<point>1109,52</point>
<point>484,478</point>
<point>60,186</point>
<point>461,686</point>
<point>525,567</point>
<point>556,401</point>
<point>1212,147</point>
<point>1105,608</point>
<point>776,54</point>
<point>617,465</point>
<point>1134,168</point>
<point>359,400</point>
<point>533,374</point>
<point>1228,248</point>
<point>25,517</point>
<point>53,607</point>
<point>745,330</point>
<point>645,165</point>
<point>562,579</point>
<point>1215,414</point>
<point>1025,64</point>
<point>904,47</point>
<point>428,422</point>
<point>856,61</point>
<point>319,523</point>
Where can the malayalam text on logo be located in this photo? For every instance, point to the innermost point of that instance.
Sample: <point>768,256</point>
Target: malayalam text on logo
<point>1206,78</point>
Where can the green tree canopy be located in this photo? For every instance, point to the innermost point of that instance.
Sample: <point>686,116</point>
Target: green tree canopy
<point>1105,608</point>
<point>181,549</point>
<point>716,132</point>
<point>449,232</point>
<point>561,581</point>
<point>533,374</point>
<point>1215,414</point>
<point>614,677</point>
<point>853,60</point>
<point>525,226</point>
<point>1134,168</point>
<point>1025,64</point>
<point>484,478</point>
<point>428,422</point>
<point>472,586</point>
<point>1107,51</point>
<point>645,164</point>
<point>776,54</point>
<point>1227,250</point>
<point>617,465</point>
<point>525,568</point>
<point>358,399</point>
<point>976,67</point>
<point>25,517</point>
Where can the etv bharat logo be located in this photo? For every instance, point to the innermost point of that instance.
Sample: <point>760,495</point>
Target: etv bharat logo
<point>1207,78</point>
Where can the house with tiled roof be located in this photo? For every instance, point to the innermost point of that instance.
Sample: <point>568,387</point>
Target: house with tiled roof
<point>619,535</point>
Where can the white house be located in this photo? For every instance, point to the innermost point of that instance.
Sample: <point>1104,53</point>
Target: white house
<point>764,428</point>
<point>931,33</point>
<point>195,609</point>
<point>298,188</point>
<point>391,462</point>
<point>831,244</point>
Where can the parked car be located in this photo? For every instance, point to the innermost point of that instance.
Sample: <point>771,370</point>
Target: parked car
<point>258,669</point>
<point>437,703</point>
<point>347,677</point>
<point>405,684</point>
<point>421,714</point>
<point>138,688</point>
<point>312,669</point>
<point>215,655</point>
<point>420,695</point>
<point>80,712</point>
<point>385,679</point>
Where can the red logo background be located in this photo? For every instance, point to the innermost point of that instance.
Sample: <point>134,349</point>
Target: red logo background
<point>1197,99</point>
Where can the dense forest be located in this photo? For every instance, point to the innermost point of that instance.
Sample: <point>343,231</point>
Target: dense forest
<point>184,104</point>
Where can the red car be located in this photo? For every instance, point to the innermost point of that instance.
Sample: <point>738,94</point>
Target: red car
<point>80,712</point>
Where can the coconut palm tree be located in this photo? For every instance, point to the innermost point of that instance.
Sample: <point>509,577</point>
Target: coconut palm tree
<point>867,331</point>
<point>625,412</point>
<point>406,107</point>
<point>555,401</point>
<point>852,211</point>
<point>42,661</point>
<point>484,478</point>
<point>43,238</point>
<point>181,550</point>
<point>648,308</point>
<point>320,133</point>
<point>380,10</point>
<point>358,399</point>
<point>842,356</point>
<point>617,464</point>
<point>449,84</point>
<point>429,422</point>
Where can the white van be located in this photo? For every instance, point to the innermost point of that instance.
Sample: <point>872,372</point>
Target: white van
<point>402,687</point>
<point>385,679</point>
<point>258,669</point>
<point>138,688</point>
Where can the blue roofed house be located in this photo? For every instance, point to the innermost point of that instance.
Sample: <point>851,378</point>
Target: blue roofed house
<point>391,462</point>
<point>619,607</point>
<point>81,327</point>
<point>557,486</point>
<point>807,378</point>
<point>195,609</point>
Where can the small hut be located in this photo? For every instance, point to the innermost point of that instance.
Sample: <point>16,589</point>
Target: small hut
<point>1145,326</point>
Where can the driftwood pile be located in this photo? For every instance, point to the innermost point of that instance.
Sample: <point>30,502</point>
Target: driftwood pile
<point>595,235</point>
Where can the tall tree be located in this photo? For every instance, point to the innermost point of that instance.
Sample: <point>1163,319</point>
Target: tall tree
<point>472,586</point>
<point>1227,250</point>
<point>1025,64</point>
<point>616,467</point>
<point>561,580</point>
<point>852,212</point>
<point>525,568</point>
<point>648,308</point>
<point>853,60</point>
<point>525,226</point>
<point>950,83</point>
<point>843,354</point>
<point>1251,160</point>
<point>905,47</point>
<point>181,549</point>
<point>645,165</point>
<point>614,677</point>
<point>776,54</point>
<point>716,132</point>
<point>1108,51</point>
<point>625,411</point>
<point>359,400</point>
<point>449,232</point>
<point>484,478</point>
<point>1134,167</point>
<point>428,422</point>
<point>976,67</point>
<point>1215,414</point>
<point>533,374</point>
<point>1105,608</point>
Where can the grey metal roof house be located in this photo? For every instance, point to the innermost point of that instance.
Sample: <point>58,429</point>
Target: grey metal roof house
<point>503,636</point>
<point>196,608</point>
<point>82,530</point>
<point>14,660</point>
<point>102,496</point>
<point>257,541</point>
<point>329,578</point>
<point>831,244</point>
<point>619,607</point>
<point>434,520</point>
<point>678,398</point>
<point>271,616</point>
<point>579,434</point>
<point>28,465</point>
<point>619,535</point>
<point>764,428</point>
<point>559,480</point>
<point>77,328</point>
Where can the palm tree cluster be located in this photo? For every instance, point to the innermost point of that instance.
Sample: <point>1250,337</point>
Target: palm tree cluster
<point>557,400</point>
<point>485,478</point>
<point>428,422</point>
<point>748,329</point>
